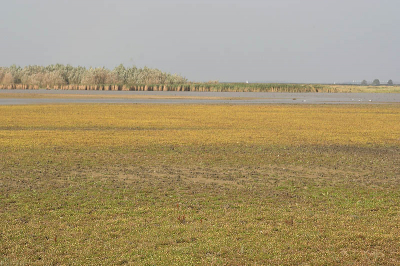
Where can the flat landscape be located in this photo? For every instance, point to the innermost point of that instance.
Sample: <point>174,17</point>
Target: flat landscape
<point>199,133</point>
<point>160,184</point>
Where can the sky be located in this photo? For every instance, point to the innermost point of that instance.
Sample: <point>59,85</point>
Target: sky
<point>304,41</point>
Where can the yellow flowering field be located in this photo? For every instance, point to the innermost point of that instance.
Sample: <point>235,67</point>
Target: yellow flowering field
<point>112,125</point>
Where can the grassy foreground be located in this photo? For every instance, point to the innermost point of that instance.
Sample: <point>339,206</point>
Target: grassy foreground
<point>199,184</point>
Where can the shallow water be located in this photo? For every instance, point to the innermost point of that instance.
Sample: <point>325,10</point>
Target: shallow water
<point>244,97</point>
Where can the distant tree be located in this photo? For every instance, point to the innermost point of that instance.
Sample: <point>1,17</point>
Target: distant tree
<point>376,82</point>
<point>8,79</point>
<point>364,83</point>
<point>390,82</point>
<point>121,74</point>
<point>2,74</point>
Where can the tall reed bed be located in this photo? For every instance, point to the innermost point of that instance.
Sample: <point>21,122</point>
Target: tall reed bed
<point>200,87</point>
<point>66,77</point>
<point>61,76</point>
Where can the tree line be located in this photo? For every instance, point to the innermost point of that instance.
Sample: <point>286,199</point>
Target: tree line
<point>59,75</point>
<point>376,82</point>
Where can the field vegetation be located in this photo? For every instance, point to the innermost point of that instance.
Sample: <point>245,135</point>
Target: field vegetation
<point>63,77</point>
<point>199,185</point>
<point>57,76</point>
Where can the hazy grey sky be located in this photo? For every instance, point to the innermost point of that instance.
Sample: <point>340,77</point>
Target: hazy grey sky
<point>226,40</point>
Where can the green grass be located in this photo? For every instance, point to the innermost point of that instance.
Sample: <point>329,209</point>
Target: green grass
<point>158,185</point>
